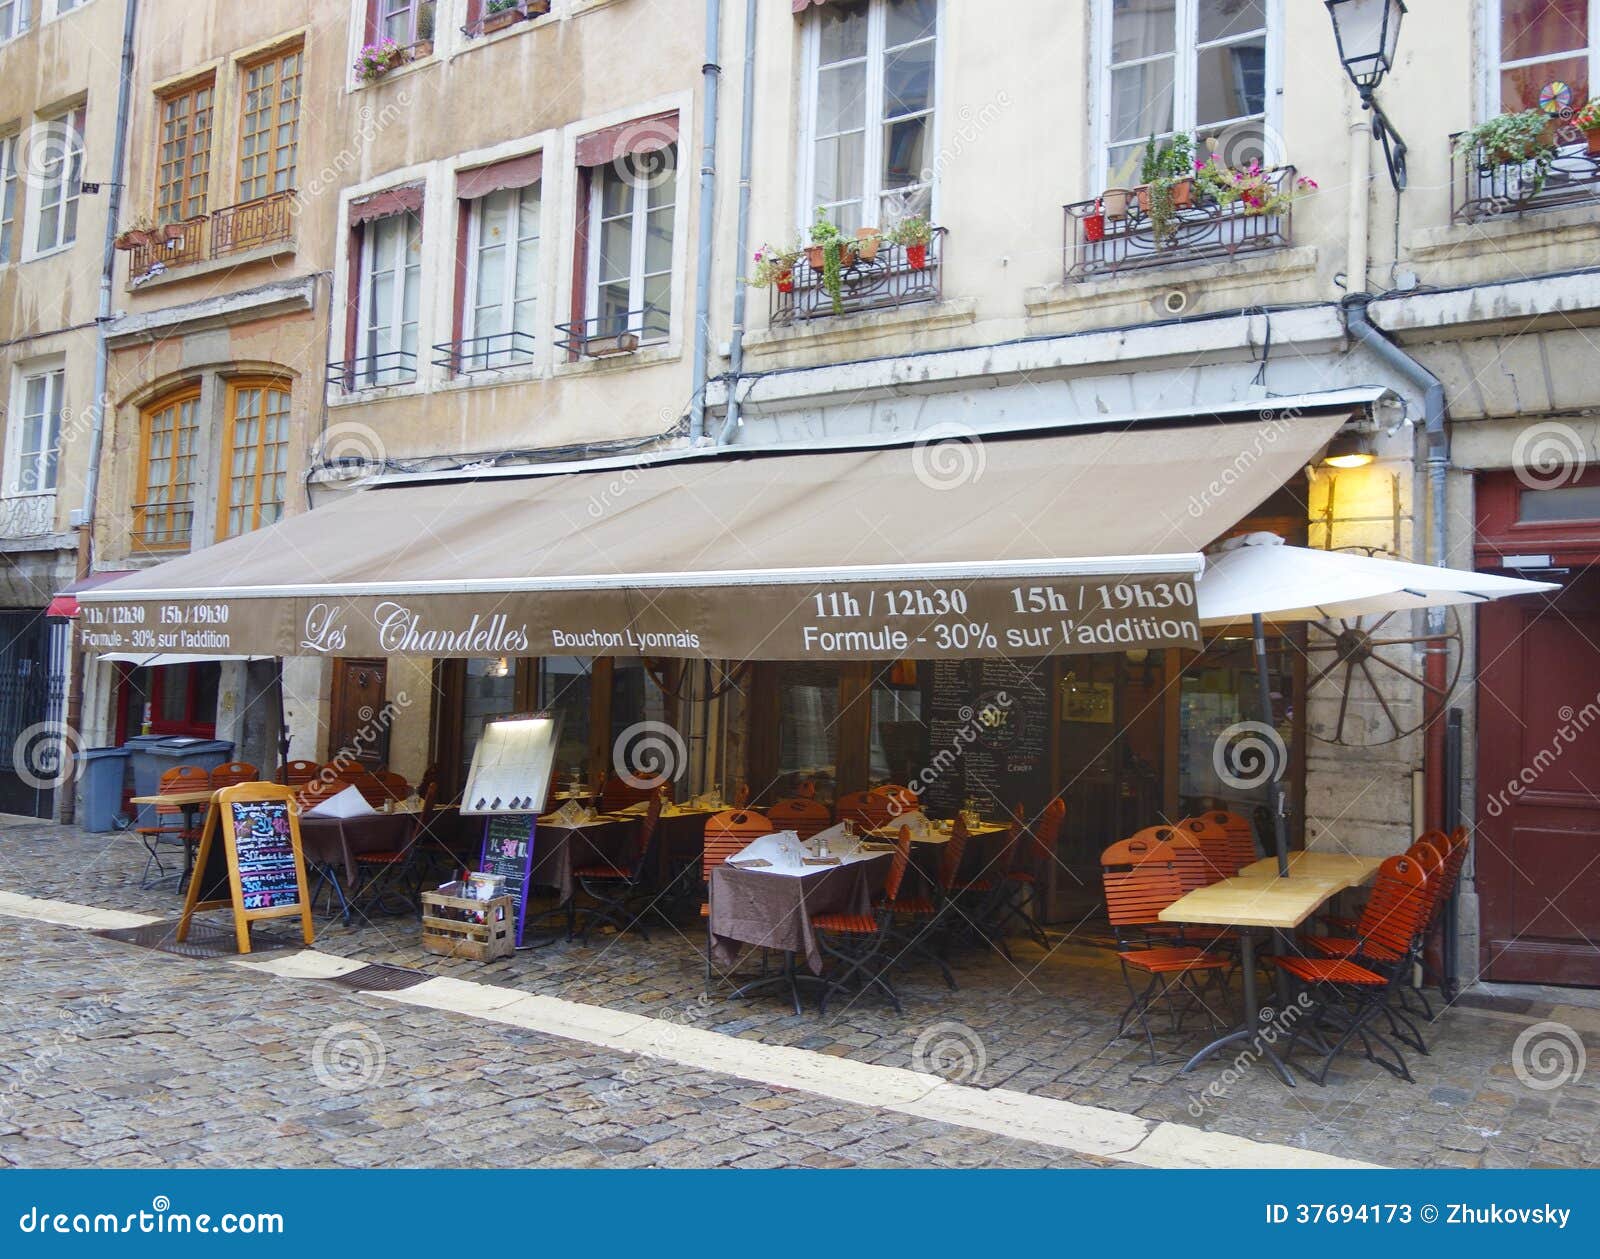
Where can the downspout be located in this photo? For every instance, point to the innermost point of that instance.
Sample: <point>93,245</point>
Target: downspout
<point>102,354</point>
<point>712,73</point>
<point>747,144</point>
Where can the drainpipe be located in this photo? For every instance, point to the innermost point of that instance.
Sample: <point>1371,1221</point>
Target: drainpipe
<point>712,73</point>
<point>67,805</point>
<point>1359,210</point>
<point>747,144</point>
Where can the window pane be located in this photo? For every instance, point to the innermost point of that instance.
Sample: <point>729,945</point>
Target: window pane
<point>1231,82</point>
<point>908,80</point>
<point>1141,100</point>
<point>1538,28</point>
<point>841,99</point>
<point>616,250</point>
<point>616,194</point>
<point>489,691</point>
<point>1142,28</point>
<point>839,169</point>
<point>564,685</point>
<point>1223,19</point>
<point>658,296</point>
<point>1569,502</point>
<point>1520,88</point>
<point>808,728</point>
<point>903,147</point>
<point>910,19</point>
<point>844,31</point>
<point>658,241</point>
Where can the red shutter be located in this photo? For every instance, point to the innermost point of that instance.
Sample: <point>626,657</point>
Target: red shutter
<point>642,135</point>
<point>800,6</point>
<point>474,12</point>
<point>514,172</point>
<point>458,313</point>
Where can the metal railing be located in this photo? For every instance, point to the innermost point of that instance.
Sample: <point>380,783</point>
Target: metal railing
<point>374,371</point>
<point>1100,242</point>
<point>162,526</point>
<point>895,275</point>
<point>620,333</point>
<point>1481,188</point>
<point>230,230</point>
<point>491,353</point>
<point>27,515</point>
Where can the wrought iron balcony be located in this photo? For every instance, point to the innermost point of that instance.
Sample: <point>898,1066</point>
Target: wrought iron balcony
<point>374,371</point>
<point>162,526</point>
<point>1114,233</point>
<point>231,230</point>
<point>1481,188</point>
<point>895,275</point>
<point>27,515</point>
<point>620,333</point>
<point>492,353</point>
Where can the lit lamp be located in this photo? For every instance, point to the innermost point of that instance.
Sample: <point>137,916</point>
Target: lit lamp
<point>1350,449</point>
<point>1368,32</point>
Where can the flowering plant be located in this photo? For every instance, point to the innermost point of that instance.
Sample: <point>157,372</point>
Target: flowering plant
<point>1252,187</point>
<point>377,59</point>
<point>1588,118</point>
<point>774,264</point>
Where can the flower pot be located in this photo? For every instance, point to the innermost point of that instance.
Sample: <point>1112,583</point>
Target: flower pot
<point>917,257</point>
<point>1182,194</point>
<point>493,22</point>
<point>172,234</point>
<point>867,242</point>
<point>136,238</point>
<point>422,48</point>
<point>1592,141</point>
<point>1094,227</point>
<point>816,257</point>
<point>1142,195</point>
<point>1114,203</point>
<point>786,282</point>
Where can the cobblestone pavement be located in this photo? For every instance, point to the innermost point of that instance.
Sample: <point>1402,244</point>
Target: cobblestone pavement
<point>1041,1025</point>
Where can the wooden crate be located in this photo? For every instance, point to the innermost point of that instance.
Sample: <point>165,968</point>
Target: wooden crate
<point>448,931</point>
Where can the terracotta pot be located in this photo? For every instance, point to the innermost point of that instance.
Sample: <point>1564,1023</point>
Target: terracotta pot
<point>917,257</point>
<point>1142,195</point>
<point>493,22</point>
<point>815,257</point>
<point>1592,142</point>
<point>1114,203</point>
<point>172,233</point>
<point>867,242</point>
<point>1183,194</point>
<point>136,238</point>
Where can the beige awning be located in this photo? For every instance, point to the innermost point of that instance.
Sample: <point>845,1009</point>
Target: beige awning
<point>1021,544</point>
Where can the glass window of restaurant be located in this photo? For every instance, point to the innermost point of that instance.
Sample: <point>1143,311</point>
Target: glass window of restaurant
<point>808,730</point>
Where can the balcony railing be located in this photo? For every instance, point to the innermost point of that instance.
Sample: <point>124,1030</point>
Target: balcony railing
<point>619,333</point>
<point>162,526</point>
<point>895,275</point>
<point>1101,243</point>
<point>492,353</point>
<point>374,371</point>
<point>1483,189</point>
<point>230,230</point>
<point>24,515</point>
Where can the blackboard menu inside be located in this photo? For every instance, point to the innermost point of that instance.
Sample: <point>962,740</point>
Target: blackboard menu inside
<point>989,735</point>
<point>264,853</point>
<point>508,851</point>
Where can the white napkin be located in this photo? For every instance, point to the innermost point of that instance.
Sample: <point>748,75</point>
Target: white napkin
<point>348,803</point>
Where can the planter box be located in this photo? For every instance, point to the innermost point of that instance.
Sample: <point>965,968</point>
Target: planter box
<point>450,927</point>
<point>605,347</point>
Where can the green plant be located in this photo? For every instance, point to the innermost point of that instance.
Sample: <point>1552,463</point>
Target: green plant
<point>1525,139</point>
<point>424,22</point>
<point>911,230</point>
<point>499,6</point>
<point>826,235</point>
<point>1251,188</point>
<point>774,264</point>
<point>1162,169</point>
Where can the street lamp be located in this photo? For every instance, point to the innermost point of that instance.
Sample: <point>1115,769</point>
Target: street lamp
<point>1368,32</point>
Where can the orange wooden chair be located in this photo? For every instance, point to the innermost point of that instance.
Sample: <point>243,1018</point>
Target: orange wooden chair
<point>234,772</point>
<point>617,793</point>
<point>1028,878</point>
<point>868,810</point>
<point>1220,851</point>
<point>804,817</point>
<point>394,785</point>
<point>172,824</point>
<point>726,833</point>
<point>615,887</point>
<point>295,773</point>
<point>1240,835</point>
<point>390,876</point>
<point>363,780</point>
<point>1194,868</point>
<point>854,943</point>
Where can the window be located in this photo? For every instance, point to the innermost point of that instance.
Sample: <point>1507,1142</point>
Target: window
<point>34,436</point>
<point>1198,66</point>
<point>255,456</point>
<point>391,291</point>
<point>565,685</point>
<point>8,198</point>
<point>1541,42</point>
<point>269,129</point>
<point>183,161</point>
<point>165,519</point>
<point>183,699</point>
<point>406,22</point>
<point>808,729</point>
<point>632,208</point>
<point>873,72</point>
<point>13,18</point>
<point>502,277</point>
<point>57,146</point>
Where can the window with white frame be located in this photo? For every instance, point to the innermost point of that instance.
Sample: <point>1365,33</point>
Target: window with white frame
<point>34,433</point>
<point>391,295</point>
<point>57,155</point>
<point>13,18</point>
<point>1543,53</point>
<point>1196,66</point>
<point>405,21</point>
<point>9,183</point>
<point>873,70</point>
<point>632,206</point>
<point>58,7</point>
<point>502,278</point>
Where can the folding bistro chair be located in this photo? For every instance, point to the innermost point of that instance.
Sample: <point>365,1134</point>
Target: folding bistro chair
<point>297,773</point>
<point>1030,870</point>
<point>232,773</point>
<point>726,833</point>
<point>804,817</point>
<point>1239,836</point>
<point>172,825</point>
<point>383,870</point>
<point>857,942</point>
<point>614,888</point>
<point>866,809</point>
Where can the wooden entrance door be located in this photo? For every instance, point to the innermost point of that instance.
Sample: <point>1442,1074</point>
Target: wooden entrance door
<point>358,720</point>
<point>1538,837</point>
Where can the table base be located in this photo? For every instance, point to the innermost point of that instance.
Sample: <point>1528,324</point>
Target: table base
<point>788,977</point>
<point>1247,1032</point>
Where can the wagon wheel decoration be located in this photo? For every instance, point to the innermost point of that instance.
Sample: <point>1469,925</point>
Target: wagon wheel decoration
<point>1367,659</point>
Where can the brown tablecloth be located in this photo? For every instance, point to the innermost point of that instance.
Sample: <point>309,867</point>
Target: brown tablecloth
<point>558,850</point>
<point>773,911</point>
<point>337,841</point>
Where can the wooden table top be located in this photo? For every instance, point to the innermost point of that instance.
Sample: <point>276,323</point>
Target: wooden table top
<point>1352,869</point>
<point>1253,901</point>
<point>177,799</point>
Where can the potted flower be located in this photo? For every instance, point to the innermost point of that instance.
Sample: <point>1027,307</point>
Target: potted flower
<point>376,60</point>
<point>912,234</point>
<point>775,267</point>
<point>1252,189</point>
<point>499,14</point>
<point>1167,185</point>
<point>139,234</point>
<point>828,254</point>
<point>1587,120</point>
<point>1526,139</point>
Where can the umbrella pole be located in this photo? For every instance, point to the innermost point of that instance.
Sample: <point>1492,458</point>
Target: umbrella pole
<point>1280,822</point>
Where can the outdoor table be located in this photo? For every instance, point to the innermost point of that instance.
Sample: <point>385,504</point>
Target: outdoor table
<point>190,802</point>
<point>927,845</point>
<point>560,847</point>
<point>1351,870</point>
<point>680,833</point>
<point>1249,904</point>
<point>338,841</point>
<point>771,908</point>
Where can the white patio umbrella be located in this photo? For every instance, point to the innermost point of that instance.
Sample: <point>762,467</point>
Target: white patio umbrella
<point>1259,577</point>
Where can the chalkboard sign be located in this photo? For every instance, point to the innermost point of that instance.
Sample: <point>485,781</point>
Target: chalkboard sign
<point>508,851</point>
<point>989,735</point>
<point>250,860</point>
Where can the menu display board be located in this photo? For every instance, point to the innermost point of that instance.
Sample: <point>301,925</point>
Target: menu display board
<point>989,735</point>
<point>250,860</point>
<point>511,765</point>
<point>508,852</point>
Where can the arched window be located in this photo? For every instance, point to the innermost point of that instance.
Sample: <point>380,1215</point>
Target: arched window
<point>169,431</point>
<point>255,456</point>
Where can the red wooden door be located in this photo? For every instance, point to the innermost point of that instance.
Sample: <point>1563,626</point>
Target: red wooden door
<point>1538,837</point>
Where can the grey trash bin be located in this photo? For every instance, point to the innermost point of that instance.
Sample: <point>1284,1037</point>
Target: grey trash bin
<point>102,776</point>
<point>164,752</point>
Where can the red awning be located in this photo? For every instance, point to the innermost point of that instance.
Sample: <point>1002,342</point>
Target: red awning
<point>515,172</point>
<point>66,602</point>
<point>642,135</point>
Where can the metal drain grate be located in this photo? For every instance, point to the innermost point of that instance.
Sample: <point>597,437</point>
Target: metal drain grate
<point>206,940</point>
<point>376,977</point>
